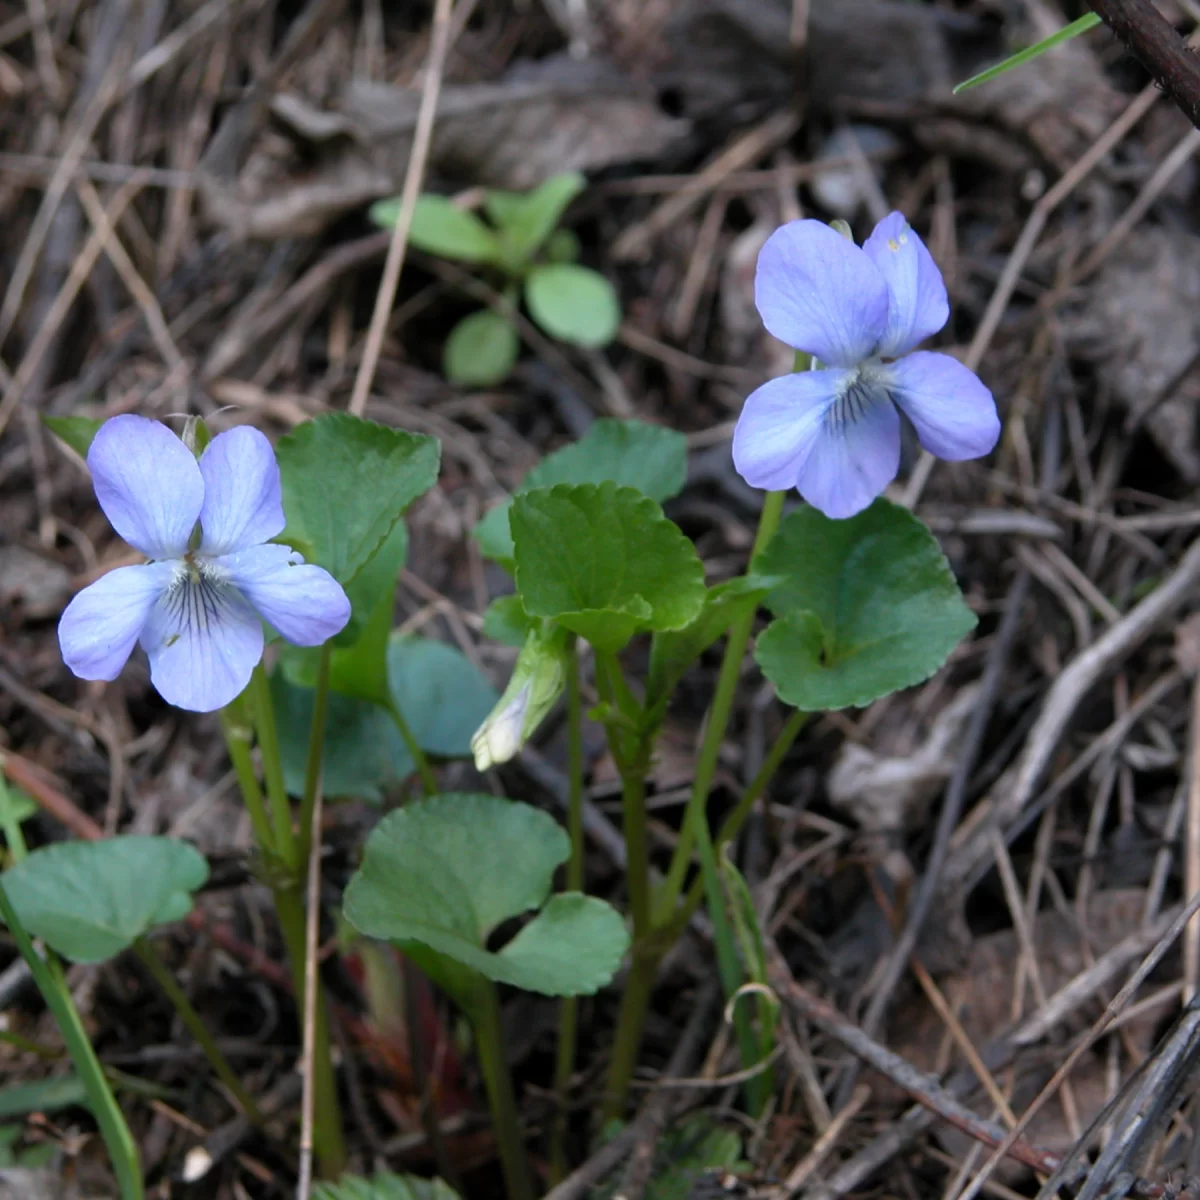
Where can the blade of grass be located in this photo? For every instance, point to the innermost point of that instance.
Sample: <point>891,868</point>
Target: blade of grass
<point>1086,22</point>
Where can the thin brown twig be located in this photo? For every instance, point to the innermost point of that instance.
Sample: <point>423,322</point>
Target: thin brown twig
<point>80,270</point>
<point>311,939</point>
<point>439,47</point>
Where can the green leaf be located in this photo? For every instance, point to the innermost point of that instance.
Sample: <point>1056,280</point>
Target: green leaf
<point>43,1095</point>
<point>573,304</point>
<point>527,220</point>
<point>647,457</point>
<point>505,620</point>
<point>563,246</point>
<point>481,350</point>
<point>1082,25</point>
<point>440,227</point>
<point>384,1186</point>
<point>869,606</point>
<point>91,900</point>
<point>673,652</point>
<point>446,871</point>
<point>442,695</point>
<point>22,804</point>
<point>346,482</point>
<point>688,1151</point>
<point>603,561</point>
<point>76,432</point>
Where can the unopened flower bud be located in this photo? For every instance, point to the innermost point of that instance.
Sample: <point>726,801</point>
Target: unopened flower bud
<point>538,679</point>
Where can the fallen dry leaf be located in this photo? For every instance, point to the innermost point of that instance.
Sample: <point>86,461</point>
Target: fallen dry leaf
<point>317,162</point>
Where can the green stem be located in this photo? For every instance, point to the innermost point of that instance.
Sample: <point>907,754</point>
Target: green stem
<point>238,736</point>
<point>568,1022</point>
<point>429,783</point>
<point>286,845</point>
<point>47,974</point>
<point>635,1001</point>
<point>316,751</point>
<point>196,1027</point>
<point>284,877</point>
<point>53,987</point>
<point>502,1099</point>
<point>732,825</point>
<point>631,763</point>
<point>714,732</point>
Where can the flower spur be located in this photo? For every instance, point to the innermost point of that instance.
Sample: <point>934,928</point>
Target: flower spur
<point>834,433</point>
<point>198,605</point>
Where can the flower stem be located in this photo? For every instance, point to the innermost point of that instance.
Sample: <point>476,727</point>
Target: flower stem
<point>635,1001</point>
<point>502,1099</point>
<point>285,878</point>
<point>238,736</point>
<point>429,783</point>
<point>568,1021</point>
<point>732,825</point>
<point>286,845</point>
<point>195,1026</point>
<point>714,732</point>
<point>47,974</point>
<point>631,763</point>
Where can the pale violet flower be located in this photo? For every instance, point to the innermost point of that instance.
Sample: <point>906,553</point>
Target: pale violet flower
<point>539,677</point>
<point>197,607</point>
<point>834,433</point>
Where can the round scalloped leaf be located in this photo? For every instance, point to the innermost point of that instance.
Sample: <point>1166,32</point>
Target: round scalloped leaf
<point>647,457</point>
<point>573,304</point>
<point>346,482</point>
<point>91,900</point>
<point>868,606</point>
<point>603,561</point>
<point>480,350</point>
<point>445,871</point>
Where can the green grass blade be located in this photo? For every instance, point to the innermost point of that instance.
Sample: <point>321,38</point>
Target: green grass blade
<point>1089,21</point>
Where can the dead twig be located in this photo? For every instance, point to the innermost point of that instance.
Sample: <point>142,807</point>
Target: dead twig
<point>439,47</point>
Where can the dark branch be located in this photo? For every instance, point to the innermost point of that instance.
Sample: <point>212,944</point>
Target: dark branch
<point>1152,38</point>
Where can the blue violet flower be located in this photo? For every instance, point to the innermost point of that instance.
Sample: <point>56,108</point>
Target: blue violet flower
<point>197,607</point>
<point>834,433</point>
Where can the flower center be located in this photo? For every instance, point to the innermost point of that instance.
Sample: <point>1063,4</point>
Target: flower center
<point>194,601</point>
<point>861,393</point>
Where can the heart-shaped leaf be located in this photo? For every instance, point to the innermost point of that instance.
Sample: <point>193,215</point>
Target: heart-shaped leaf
<point>868,606</point>
<point>446,871</point>
<point>603,561</point>
<point>91,900</point>
<point>647,457</point>
<point>573,303</point>
<point>442,695</point>
<point>346,482</point>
